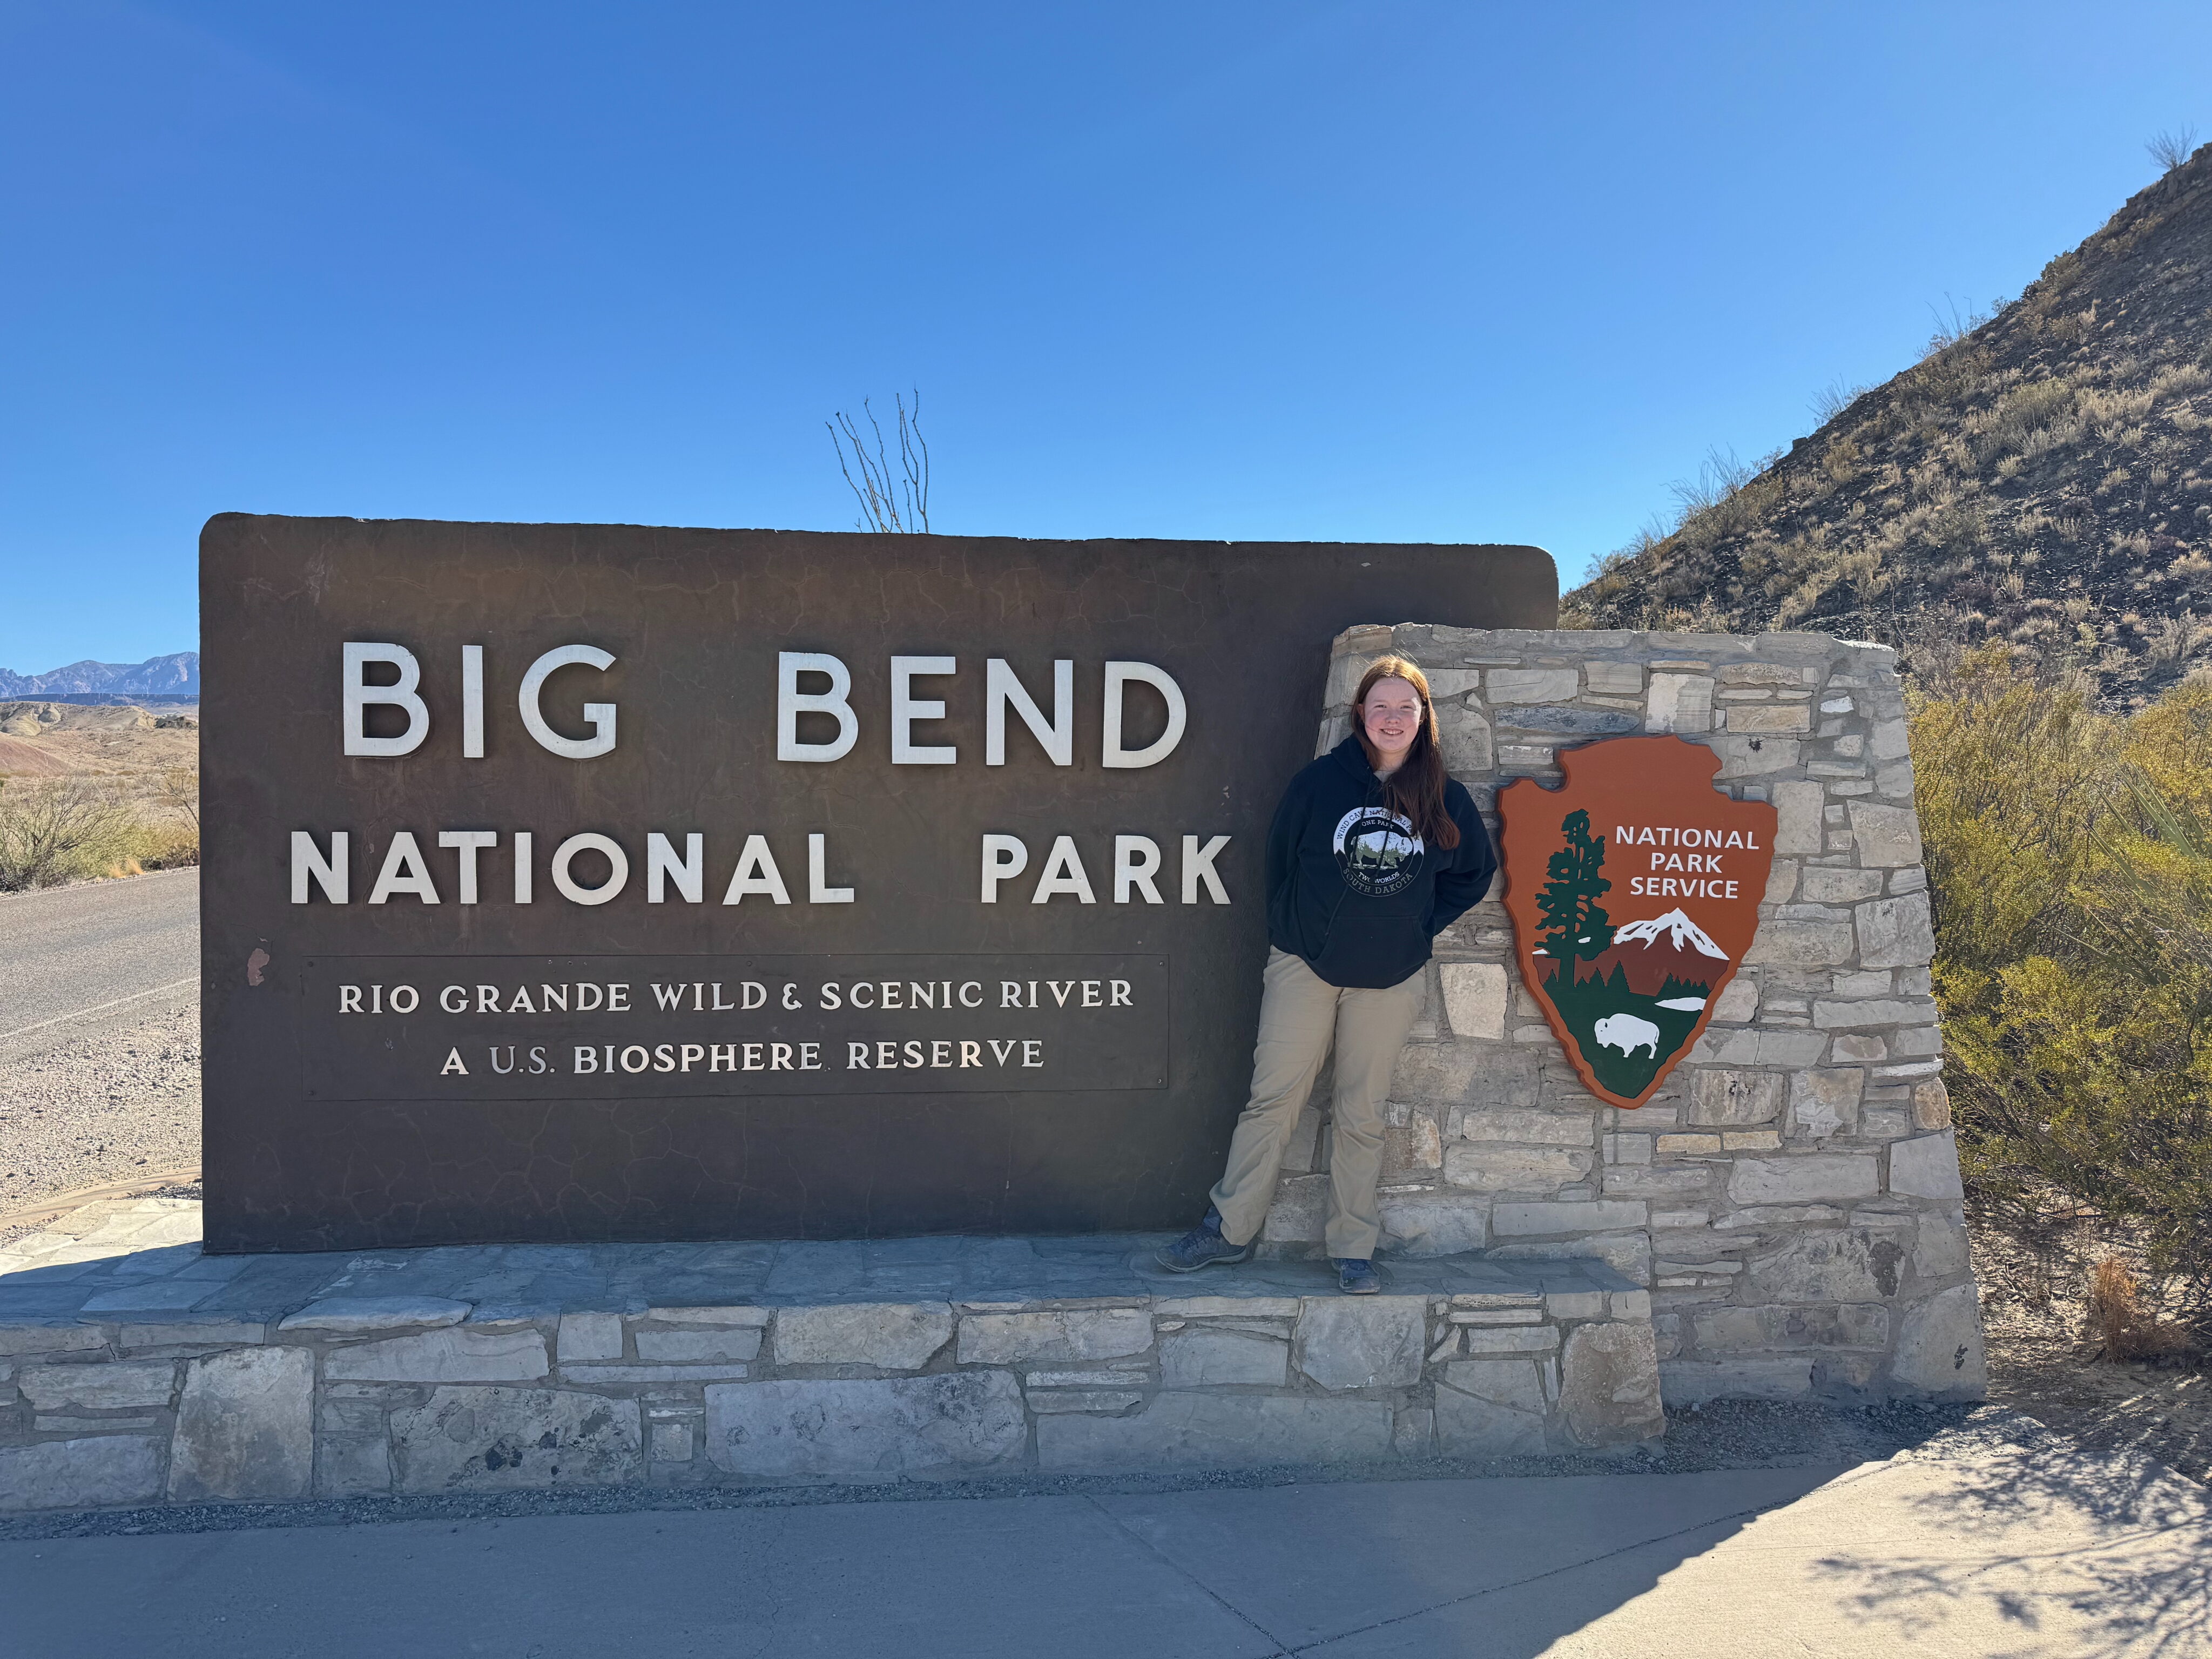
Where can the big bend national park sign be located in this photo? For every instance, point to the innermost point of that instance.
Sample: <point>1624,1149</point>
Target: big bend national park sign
<point>597,882</point>
<point>1634,891</point>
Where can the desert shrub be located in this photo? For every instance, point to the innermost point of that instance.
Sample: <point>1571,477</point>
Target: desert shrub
<point>2173,638</point>
<point>2119,1321</point>
<point>2070,851</point>
<point>165,845</point>
<point>79,828</point>
<point>178,794</point>
<point>1834,399</point>
<point>54,831</point>
<point>2171,148</point>
<point>2030,419</point>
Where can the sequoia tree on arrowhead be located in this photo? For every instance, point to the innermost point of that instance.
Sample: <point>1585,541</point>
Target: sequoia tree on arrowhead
<point>1575,929</point>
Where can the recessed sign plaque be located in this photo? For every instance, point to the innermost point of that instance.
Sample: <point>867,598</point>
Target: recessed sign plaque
<point>595,882</point>
<point>605,1028</point>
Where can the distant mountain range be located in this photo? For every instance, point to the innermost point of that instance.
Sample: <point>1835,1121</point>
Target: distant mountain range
<point>174,675</point>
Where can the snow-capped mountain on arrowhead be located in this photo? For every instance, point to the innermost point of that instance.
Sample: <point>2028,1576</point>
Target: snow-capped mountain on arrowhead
<point>1679,927</point>
<point>1658,949</point>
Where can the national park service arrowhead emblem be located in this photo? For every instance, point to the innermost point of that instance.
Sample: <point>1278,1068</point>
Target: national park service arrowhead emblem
<point>1634,890</point>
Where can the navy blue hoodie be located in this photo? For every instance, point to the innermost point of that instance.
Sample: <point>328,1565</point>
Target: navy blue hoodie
<point>1351,888</point>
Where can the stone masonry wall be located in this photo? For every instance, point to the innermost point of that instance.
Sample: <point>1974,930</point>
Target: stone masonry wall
<point>160,1376</point>
<point>1791,1193</point>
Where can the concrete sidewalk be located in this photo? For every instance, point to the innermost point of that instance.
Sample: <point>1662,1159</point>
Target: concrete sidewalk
<point>1972,1545</point>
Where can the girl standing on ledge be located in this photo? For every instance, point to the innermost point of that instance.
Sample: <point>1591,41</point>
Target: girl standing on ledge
<point>1374,851</point>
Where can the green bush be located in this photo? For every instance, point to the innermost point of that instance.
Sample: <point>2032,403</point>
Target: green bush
<point>76,829</point>
<point>2069,853</point>
<point>164,846</point>
<point>57,831</point>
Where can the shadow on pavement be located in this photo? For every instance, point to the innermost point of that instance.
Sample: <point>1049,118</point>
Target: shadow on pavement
<point>2118,1546</point>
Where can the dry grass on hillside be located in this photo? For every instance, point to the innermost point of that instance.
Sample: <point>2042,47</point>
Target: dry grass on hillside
<point>2042,478</point>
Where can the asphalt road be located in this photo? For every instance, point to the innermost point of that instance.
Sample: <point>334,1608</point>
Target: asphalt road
<point>99,1059</point>
<point>104,950</point>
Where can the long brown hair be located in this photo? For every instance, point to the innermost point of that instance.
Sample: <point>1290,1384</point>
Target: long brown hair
<point>1416,790</point>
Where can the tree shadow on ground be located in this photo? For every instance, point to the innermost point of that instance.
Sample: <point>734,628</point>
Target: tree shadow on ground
<point>2063,1543</point>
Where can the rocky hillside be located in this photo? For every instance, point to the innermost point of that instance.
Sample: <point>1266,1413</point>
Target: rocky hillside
<point>56,739</point>
<point>2045,479</point>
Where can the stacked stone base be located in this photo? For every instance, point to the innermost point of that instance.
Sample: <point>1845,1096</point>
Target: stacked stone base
<point>1790,1193</point>
<point>208,1379</point>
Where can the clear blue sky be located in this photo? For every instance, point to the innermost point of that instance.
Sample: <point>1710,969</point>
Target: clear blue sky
<point>1408,271</point>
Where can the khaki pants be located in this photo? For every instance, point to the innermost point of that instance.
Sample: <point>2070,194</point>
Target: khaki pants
<point>1300,1015</point>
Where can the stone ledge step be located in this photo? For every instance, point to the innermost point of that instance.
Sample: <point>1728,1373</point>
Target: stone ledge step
<point>411,1372</point>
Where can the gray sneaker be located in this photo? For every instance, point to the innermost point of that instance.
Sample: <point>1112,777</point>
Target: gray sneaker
<point>1203,1246</point>
<point>1358,1277</point>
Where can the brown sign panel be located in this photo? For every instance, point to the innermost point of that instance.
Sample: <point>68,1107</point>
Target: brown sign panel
<point>595,881</point>
<point>1634,890</point>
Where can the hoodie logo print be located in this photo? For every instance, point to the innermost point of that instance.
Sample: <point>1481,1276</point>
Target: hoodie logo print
<point>1377,852</point>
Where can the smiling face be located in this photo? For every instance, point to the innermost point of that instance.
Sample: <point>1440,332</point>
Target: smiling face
<point>1391,716</point>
